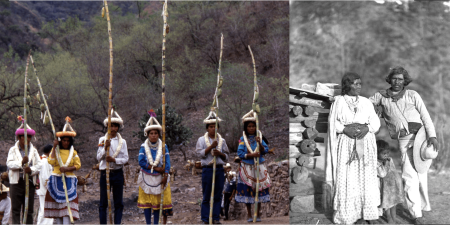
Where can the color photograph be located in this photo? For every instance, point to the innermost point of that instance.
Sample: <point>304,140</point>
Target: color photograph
<point>144,112</point>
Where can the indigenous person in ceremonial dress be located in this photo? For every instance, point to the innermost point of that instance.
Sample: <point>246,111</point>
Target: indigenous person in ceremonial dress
<point>204,150</point>
<point>405,115</point>
<point>44,175</point>
<point>5,205</point>
<point>118,156</point>
<point>246,183</point>
<point>15,163</point>
<point>351,166</point>
<point>55,199</point>
<point>150,177</point>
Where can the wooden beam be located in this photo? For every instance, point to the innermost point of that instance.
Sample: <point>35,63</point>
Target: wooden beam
<point>295,99</point>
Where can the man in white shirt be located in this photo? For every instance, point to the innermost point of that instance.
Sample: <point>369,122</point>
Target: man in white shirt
<point>5,204</point>
<point>118,156</point>
<point>16,164</point>
<point>44,174</point>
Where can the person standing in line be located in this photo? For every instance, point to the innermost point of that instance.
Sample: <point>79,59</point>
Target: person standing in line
<point>44,174</point>
<point>118,156</point>
<point>207,147</point>
<point>15,162</point>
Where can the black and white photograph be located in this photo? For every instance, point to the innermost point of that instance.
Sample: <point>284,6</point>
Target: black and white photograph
<point>368,96</point>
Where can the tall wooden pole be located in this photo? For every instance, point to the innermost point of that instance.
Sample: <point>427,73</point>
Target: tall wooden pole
<point>58,155</point>
<point>165,31</point>
<point>256,112</point>
<point>109,111</point>
<point>215,108</point>
<point>25,106</point>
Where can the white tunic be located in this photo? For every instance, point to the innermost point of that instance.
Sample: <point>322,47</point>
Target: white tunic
<point>5,207</point>
<point>355,184</point>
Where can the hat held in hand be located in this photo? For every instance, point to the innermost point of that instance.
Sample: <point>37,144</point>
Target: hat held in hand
<point>422,153</point>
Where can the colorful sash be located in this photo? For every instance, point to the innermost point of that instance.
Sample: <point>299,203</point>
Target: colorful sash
<point>150,184</point>
<point>56,190</point>
<point>247,174</point>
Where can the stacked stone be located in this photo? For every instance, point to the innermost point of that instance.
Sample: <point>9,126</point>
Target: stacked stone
<point>279,194</point>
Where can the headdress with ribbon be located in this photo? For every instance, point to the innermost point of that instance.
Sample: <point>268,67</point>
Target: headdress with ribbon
<point>21,131</point>
<point>67,130</point>
<point>152,123</point>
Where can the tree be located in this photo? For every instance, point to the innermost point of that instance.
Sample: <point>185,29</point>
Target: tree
<point>176,133</point>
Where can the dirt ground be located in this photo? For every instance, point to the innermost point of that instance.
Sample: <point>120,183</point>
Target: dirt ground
<point>439,193</point>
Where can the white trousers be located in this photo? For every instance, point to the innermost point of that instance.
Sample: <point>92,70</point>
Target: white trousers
<point>62,220</point>
<point>41,219</point>
<point>415,184</point>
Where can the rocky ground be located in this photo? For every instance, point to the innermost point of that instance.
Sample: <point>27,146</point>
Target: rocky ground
<point>439,193</point>
<point>186,189</point>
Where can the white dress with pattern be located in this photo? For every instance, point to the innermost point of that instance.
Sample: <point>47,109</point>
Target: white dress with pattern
<point>356,193</point>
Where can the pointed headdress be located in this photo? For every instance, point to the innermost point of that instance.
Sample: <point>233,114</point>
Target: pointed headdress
<point>250,116</point>
<point>115,118</point>
<point>211,118</point>
<point>152,123</point>
<point>21,131</point>
<point>67,130</point>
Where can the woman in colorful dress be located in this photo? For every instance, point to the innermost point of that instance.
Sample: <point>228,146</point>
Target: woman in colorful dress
<point>151,175</point>
<point>351,166</point>
<point>246,184</point>
<point>55,199</point>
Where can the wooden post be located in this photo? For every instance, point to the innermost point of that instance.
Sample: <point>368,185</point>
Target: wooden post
<point>256,112</point>
<point>108,138</point>
<point>25,106</point>
<point>165,31</point>
<point>215,108</point>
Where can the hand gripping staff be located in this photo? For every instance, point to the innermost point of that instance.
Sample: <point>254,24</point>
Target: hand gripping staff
<point>58,156</point>
<point>25,106</point>
<point>215,108</point>
<point>165,14</point>
<point>256,109</point>
<point>105,8</point>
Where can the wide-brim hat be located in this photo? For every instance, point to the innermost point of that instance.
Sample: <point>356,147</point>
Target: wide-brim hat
<point>152,123</point>
<point>4,189</point>
<point>67,130</point>
<point>237,159</point>
<point>250,116</point>
<point>115,118</point>
<point>422,154</point>
<point>211,118</point>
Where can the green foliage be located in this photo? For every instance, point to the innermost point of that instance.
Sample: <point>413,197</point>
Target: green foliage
<point>176,132</point>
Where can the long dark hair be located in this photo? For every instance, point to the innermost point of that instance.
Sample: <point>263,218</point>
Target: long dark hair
<point>399,70</point>
<point>70,140</point>
<point>246,123</point>
<point>347,81</point>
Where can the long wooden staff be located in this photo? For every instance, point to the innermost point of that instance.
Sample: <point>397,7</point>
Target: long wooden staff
<point>256,110</point>
<point>58,155</point>
<point>109,111</point>
<point>215,108</point>
<point>165,14</point>
<point>25,106</point>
